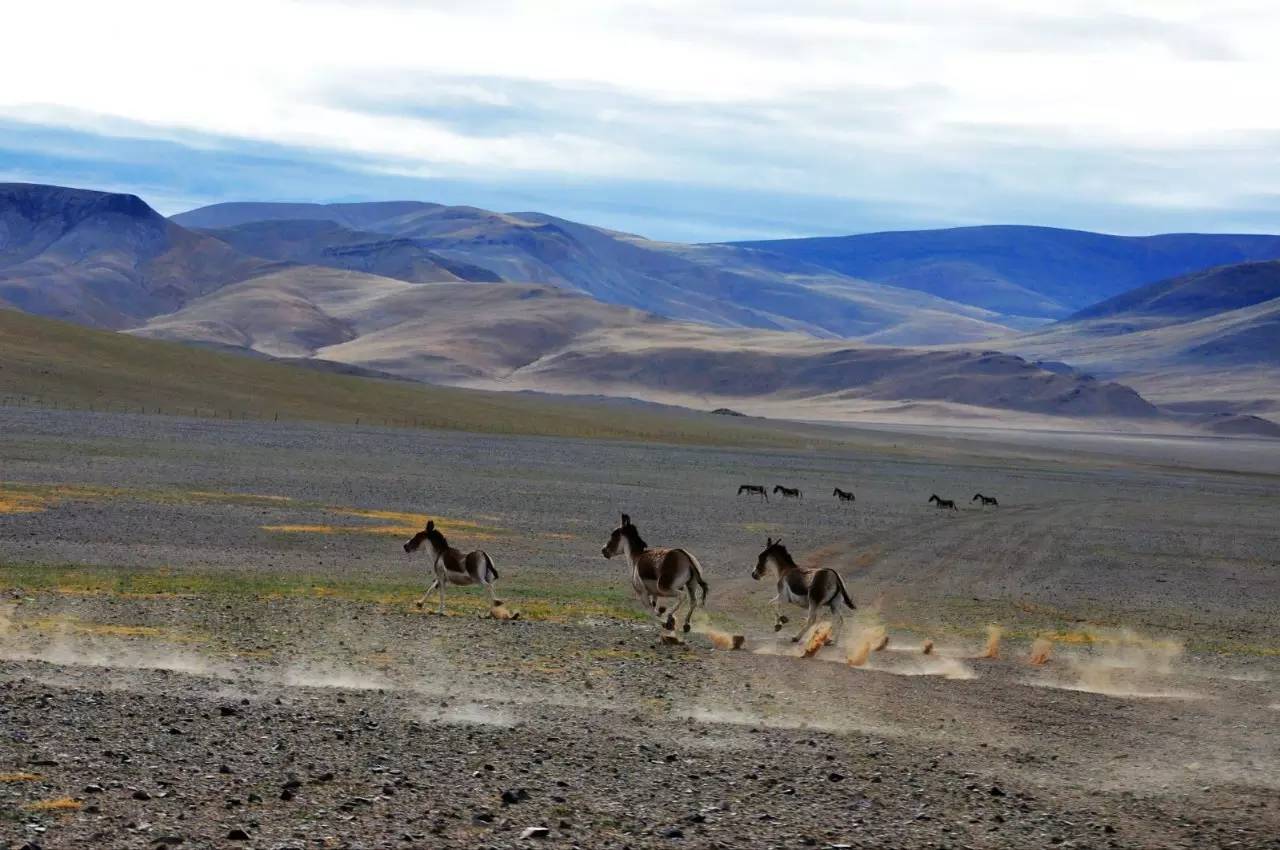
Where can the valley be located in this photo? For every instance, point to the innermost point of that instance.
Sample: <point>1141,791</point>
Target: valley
<point>840,330</point>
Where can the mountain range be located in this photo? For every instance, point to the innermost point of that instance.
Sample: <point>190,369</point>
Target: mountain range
<point>1036,272</point>
<point>714,284</point>
<point>468,297</point>
<point>1204,342</point>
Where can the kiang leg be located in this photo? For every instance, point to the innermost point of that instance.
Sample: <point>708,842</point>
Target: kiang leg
<point>693,605</point>
<point>423,599</point>
<point>808,623</point>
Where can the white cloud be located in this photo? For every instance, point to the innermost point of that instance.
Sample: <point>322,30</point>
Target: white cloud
<point>845,99</point>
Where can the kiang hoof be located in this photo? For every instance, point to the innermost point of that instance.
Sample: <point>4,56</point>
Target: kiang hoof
<point>777,627</point>
<point>687,628</point>
<point>784,620</point>
<point>795,640</point>
<point>670,625</point>
<point>418,605</point>
<point>828,642</point>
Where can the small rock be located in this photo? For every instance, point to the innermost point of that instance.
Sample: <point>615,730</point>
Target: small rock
<point>997,791</point>
<point>534,832</point>
<point>511,796</point>
<point>673,832</point>
<point>228,711</point>
<point>141,795</point>
<point>94,788</point>
<point>237,834</point>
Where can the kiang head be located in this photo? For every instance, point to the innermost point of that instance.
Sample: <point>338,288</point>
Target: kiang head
<point>773,551</point>
<point>625,535</point>
<point>414,542</point>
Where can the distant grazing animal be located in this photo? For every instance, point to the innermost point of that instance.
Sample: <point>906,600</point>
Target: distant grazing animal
<point>943,503</point>
<point>754,490</point>
<point>453,567</point>
<point>843,495</point>
<point>808,586</point>
<point>789,492</point>
<point>986,500</point>
<point>658,574</point>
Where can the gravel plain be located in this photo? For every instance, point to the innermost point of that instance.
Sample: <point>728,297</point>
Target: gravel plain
<point>208,639</point>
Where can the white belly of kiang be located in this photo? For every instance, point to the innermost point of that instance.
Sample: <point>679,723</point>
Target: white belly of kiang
<point>791,597</point>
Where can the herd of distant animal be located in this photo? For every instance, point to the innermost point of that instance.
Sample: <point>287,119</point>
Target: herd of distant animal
<point>662,574</point>
<point>847,496</point>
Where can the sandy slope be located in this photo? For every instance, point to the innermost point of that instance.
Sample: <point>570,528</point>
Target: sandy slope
<point>543,338</point>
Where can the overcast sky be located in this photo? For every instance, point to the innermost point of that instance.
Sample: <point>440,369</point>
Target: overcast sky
<point>676,119</point>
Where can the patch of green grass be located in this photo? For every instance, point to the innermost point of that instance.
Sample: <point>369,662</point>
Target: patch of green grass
<point>535,596</point>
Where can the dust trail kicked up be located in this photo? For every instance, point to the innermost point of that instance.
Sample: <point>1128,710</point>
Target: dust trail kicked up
<point>1125,664</point>
<point>719,639</point>
<point>993,642</point>
<point>1040,651</point>
<point>817,639</point>
<point>868,640</point>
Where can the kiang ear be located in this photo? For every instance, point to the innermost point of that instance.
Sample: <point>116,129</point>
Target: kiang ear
<point>768,543</point>
<point>431,524</point>
<point>626,520</point>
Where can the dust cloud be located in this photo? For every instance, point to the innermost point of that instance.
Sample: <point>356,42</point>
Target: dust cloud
<point>1041,650</point>
<point>719,639</point>
<point>993,642</point>
<point>1123,663</point>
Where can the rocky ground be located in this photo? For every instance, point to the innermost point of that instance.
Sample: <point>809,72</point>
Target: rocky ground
<point>208,639</point>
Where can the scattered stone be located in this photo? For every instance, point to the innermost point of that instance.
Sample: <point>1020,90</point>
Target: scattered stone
<point>534,832</point>
<point>237,834</point>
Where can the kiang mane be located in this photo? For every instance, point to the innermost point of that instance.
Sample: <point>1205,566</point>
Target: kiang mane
<point>634,540</point>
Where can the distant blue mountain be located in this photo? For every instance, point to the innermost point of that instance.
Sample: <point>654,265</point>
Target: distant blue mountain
<point>1193,296</point>
<point>1016,270</point>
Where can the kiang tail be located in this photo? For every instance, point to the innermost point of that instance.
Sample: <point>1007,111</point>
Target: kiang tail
<point>844,594</point>
<point>697,576</point>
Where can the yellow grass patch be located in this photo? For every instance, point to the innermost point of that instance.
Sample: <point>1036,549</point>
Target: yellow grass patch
<point>19,777</point>
<point>400,525</point>
<point>21,503</point>
<point>81,627</point>
<point>214,496</point>
<point>57,804</point>
<point>381,660</point>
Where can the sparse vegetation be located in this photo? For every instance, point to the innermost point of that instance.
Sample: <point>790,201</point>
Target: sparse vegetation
<point>55,363</point>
